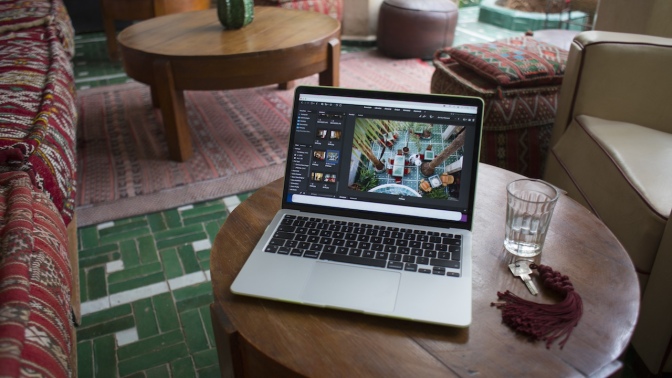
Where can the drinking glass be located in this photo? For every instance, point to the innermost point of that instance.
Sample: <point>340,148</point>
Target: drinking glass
<point>530,205</point>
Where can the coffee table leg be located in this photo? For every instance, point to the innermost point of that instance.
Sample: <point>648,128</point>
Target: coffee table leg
<point>227,342</point>
<point>287,85</point>
<point>155,97</point>
<point>110,30</point>
<point>331,77</point>
<point>171,102</point>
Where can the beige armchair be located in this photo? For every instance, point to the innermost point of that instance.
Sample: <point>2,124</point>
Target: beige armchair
<point>612,151</point>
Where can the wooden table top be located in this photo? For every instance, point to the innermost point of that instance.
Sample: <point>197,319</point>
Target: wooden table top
<point>324,342</point>
<point>278,46</point>
<point>200,34</point>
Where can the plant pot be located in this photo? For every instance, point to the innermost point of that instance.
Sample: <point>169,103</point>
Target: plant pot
<point>234,14</point>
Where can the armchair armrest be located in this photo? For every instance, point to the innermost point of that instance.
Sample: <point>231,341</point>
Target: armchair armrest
<point>617,76</point>
<point>654,327</point>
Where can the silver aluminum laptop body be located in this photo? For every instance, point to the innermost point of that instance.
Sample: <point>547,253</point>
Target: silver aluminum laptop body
<point>330,180</point>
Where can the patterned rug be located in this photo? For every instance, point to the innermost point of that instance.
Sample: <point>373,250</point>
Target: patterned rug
<point>239,139</point>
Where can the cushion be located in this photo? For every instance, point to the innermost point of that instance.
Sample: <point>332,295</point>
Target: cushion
<point>21,14</point>
<point>37,112</point>
<point>17,15</point>
<point>35,321</point>
<point>514,62</point>
<point>517,122</point>
<point>621,163</point>
<point>505,108</point>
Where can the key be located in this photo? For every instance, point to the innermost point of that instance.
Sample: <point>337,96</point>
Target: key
<point>522,270</point>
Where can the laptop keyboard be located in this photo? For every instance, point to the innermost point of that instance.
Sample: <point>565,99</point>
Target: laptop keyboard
<point>365,244</point>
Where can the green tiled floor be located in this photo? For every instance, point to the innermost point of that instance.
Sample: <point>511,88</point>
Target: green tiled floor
<point>145,291</point>
<point>145,281</point>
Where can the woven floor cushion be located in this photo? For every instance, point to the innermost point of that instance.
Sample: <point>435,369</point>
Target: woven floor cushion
<point>517,121</point>
<point>520,61</point>
<point>37,100</point>
<point>35,277</point>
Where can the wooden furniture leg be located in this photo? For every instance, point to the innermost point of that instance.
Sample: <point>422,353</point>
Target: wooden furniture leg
<point>171,102</point>
<point>227,341</point>
<point>237,358</point>
<point>331,77</point>
<point>110,30</point>
<point>163,7</point>
<point>154,96</point>
<point>286,86</point>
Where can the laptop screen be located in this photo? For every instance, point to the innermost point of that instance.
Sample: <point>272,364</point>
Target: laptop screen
<point>384,155</point>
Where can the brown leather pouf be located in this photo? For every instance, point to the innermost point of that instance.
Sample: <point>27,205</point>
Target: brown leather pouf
<point>415,28</point>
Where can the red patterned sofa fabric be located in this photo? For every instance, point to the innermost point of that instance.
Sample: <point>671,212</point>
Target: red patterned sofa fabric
<point>333,8</point>
<point>23,14</point>
<point>37,97</point>
<point>35,277</point>
<point>517,121</point>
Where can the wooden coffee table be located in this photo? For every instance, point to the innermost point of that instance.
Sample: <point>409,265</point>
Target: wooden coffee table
<point>191,51</point>
<point>257,337</point>
<point>129,10</point>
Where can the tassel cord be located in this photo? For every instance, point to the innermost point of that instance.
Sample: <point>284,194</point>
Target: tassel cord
<point>547,322</point>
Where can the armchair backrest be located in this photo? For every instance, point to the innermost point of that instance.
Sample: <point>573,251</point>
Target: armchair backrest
<point>617,76</point>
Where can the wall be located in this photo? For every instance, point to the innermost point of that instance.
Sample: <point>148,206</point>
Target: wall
<point>360,19</point>
<point>651,17</point>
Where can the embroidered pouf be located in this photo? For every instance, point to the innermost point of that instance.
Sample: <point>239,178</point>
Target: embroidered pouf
<point>519,80</point>
<point>415,29</point>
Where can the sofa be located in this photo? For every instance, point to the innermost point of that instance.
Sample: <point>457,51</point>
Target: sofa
<point>39,300</point>
<point>612,152</point>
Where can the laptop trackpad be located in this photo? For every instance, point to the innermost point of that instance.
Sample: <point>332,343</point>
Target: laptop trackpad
<point>352,287</point>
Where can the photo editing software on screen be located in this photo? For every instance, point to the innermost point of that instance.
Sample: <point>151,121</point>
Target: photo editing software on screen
<point>389,156</point>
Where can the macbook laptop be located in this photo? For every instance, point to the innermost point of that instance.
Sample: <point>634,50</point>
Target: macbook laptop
<point>377,206</point>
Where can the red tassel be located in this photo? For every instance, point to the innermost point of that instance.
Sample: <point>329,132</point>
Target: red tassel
<point>543,321</point>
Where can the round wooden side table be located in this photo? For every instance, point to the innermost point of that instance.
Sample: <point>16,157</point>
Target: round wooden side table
<point>258,337</point>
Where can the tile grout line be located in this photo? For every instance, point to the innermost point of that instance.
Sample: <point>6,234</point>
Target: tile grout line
<point>147,291</point>
<point>143,292</point>
<point>106,302</point>
<point>81,79</point>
